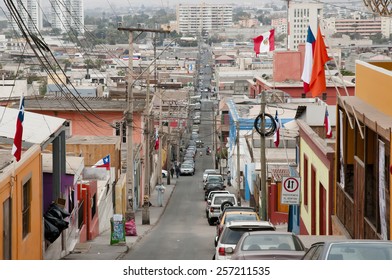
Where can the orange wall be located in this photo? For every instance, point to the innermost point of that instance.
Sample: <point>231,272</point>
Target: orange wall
<point>30,247</point>
<point>373,85</point>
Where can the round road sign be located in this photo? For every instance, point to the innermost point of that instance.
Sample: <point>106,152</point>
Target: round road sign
<point>291,184</point>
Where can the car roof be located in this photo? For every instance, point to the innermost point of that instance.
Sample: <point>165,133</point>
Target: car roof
<point>270,232</point>
<point>210,170</point>
<point>250,224</point>
<point>239,208</point>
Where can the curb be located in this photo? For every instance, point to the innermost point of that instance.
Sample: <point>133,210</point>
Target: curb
<point>140,237</point>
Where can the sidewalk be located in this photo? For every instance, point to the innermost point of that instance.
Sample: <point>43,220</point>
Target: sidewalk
<point>100,248</point>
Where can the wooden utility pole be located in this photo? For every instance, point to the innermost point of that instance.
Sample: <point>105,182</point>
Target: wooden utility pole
<point>160,134</point>
<point>146,202</point>
<point>237,124</point>
<point>263,171</point>
<point>130,214</point>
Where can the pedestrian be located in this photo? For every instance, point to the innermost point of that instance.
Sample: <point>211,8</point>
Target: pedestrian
<point>177,171</point>
<point>172,171</point>
<point>229,178</point>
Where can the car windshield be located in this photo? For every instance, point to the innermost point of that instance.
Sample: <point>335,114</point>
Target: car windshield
<point>268,242</point>
<point>214,180</point>
<point>240,217</point>
<point>360,251</point>
<point>221,199</point>
<point>186,166</point>
<point>232,234</point>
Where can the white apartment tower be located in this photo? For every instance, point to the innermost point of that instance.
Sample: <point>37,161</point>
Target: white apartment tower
<point>301,15</point>
<point>30,13</point>
<point>67,15</point>
<point>201,18</point>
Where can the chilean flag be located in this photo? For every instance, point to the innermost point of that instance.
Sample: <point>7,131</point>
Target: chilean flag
<point>327,123</point>
<point>308,61</point>
<point>156,139</point>
<point>276,134</point>
<point>265,42</point>
<point>104,162</point>
<point>17,146</point>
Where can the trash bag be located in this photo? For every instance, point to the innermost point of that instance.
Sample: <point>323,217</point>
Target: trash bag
<point>51,232</point>
<point>130,228</point>
<point>60,212</point>
<point>59,223</point>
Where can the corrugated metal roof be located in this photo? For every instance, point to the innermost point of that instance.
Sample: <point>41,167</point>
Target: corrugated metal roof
<point>37,128</point>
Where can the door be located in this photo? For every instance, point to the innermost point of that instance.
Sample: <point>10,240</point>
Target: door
<point>359,198</point>
<point>6,224</point>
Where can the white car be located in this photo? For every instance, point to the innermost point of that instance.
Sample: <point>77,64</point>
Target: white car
<point>218,203</point>
<point>233,231</point>
<point>164,173</point>
<point>187,169</point>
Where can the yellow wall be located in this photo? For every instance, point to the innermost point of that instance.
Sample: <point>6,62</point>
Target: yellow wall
<point>30,247</point>
<point>375,88</point>
<point>322,176</point>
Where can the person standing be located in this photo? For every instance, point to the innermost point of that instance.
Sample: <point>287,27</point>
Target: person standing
<point>172,171</point>
<point>229,178</point>
<point>177,171</point>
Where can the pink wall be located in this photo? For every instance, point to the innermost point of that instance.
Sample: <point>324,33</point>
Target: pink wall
<point>91,125</point>
<point>287,66</point>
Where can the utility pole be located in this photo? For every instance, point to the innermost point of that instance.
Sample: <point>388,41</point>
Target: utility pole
<point>214,144</point>
<point>160,134</point>
<point>237,124</point>
<point>146,206</point>
<point>130,214</point>
<point>263,171</point>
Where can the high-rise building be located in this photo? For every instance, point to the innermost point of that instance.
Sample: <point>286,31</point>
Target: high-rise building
<point>67,15</point>
<point>202,18</point>
<point>301,15</point>
<point>30,15</point>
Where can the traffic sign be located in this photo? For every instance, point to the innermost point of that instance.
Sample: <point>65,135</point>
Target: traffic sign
<point>290,190</point>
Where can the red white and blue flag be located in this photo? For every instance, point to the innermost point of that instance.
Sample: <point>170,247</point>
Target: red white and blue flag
<point>104,162</point>
<point>308,61</point>
<point>156,139</point>
<point>265,42</point>
<point>276,134</point>
<point>327,123</point>
<point>17,146</point>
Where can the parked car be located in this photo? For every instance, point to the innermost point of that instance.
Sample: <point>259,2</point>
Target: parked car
<point>209,171</point>
<point>213,184</point>
<point>268,245</point>
<point>209,198</point>
<point>218,203</point>
<point>213,178</point>
<point>164,173</point>
<point>233,231</point>
<point>234,216</point>
<point>350,249</point>
<point>187,169</point>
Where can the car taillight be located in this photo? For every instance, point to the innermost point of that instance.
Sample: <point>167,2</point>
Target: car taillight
<point>221,251</point>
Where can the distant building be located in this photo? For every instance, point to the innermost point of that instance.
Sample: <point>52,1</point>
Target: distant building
<point>30,13</point>
<point>197,19</point>
<point>364,27</point>
<point>302,15</point>
<point>280,25</point>
<point>67,15</point>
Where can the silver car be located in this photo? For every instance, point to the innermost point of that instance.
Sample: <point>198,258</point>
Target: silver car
<point>187,169</point>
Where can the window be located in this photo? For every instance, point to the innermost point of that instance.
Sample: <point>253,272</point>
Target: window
<point>305,181</point>
<point>26,208</point>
